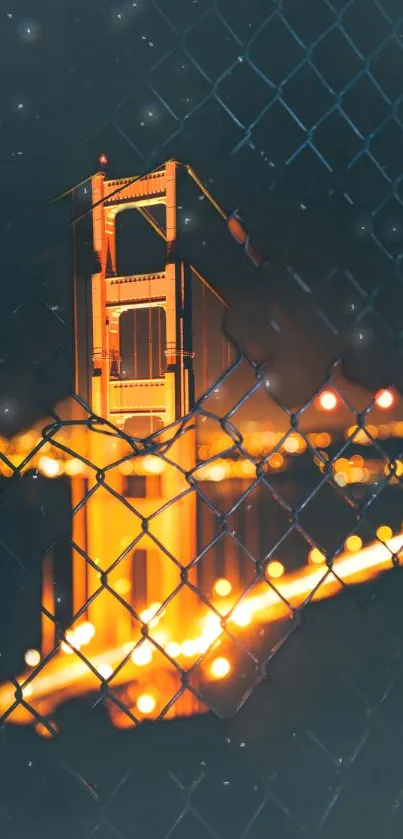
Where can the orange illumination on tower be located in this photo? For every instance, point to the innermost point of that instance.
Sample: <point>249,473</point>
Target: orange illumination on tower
<point>163,399</point>
<point>150,571</point>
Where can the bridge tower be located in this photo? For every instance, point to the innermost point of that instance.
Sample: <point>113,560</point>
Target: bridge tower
<point>103,527</point>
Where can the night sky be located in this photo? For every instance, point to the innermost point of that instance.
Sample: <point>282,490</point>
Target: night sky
<point>291,112</point>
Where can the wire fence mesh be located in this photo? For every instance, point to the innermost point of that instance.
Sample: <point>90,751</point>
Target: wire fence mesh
<point>293,119</point>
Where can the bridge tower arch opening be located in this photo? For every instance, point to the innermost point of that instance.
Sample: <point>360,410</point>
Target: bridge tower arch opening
<point>138,249</point>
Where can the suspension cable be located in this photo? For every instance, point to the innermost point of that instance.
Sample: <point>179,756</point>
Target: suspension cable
<point>135,350</point>
<point>204,340</point>
<point>159,329</point>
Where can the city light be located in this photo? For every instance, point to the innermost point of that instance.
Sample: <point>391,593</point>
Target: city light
<point>50,467</point>
<point>32,658</point>
<point>384,533</point>
<point>316,557</point>
<point>105,671</point>
<point>258,443</point>
<point>384,399</point>
<point>353,544</point>
<point>217,472</point>
<point>84,633</point>
<point>327,401</point>
<point>220,668</point>
<point>143,654</point>
<point>222,587</point>
<point>27,691</point>
<point>189,648</point>
<point>146,704</point>
<point>276,461</point>
<point>275,570</point>
<point>78,637</point>
<point>294,444</point>
<point>173,649</point>
<point>74,467</point>
<point>122,586</point>
<point>153,465</point>
<point>148,615</point>
<point>242,615</point>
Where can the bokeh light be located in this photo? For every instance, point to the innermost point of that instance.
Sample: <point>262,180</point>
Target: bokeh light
<point>143,655</point>
<point>242,615</point>
<point>105,671</point>
<point>384,399</point>
<point>384,533</point>
<point>316,557</point>
<point>123,586</point>
<point>222,587</point>
<point>327,401</point>
<point>220,668</point>
<point>50,467</point>
<point>32,658</point>
<point>353,544</point>
<point>146,703</point>
<point>275,569</point>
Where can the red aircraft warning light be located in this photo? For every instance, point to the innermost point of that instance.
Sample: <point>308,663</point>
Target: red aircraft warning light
<point>327,401</point>
<point>384,399</point>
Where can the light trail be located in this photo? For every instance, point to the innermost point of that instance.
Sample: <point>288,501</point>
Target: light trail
<point>63,677</point>
<point>324,582</point>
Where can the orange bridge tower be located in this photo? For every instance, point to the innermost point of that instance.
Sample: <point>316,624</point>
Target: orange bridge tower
<point>139,562</point>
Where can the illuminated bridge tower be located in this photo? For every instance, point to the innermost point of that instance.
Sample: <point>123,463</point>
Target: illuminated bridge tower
<point>104,527</point>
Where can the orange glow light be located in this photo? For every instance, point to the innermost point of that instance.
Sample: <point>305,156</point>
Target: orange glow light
<point>293,444</point>
<point>74,467</point>
<point>384,399</point>
<point>189,648</point>
<point>32,658</point>
<point>275,569</point>
<point>276,461</point>
<point>146,704</point>
<point>222,587</point>
<point>242,615</point>
<point>217,472</point>
<point>143,654</point>
<point>353,544</point>
<point>327,401</point>
<point>384,533</point>
<point>220,668</point>
<point>105,671</point>
<point>153,465</point>
<point>49,467</point>
<point>173,649</point>
<point>123,586</point>
<point>316,557</point>
<point>148,615</point>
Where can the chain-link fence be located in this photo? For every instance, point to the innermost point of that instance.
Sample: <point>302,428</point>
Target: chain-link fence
<point>291,113</point>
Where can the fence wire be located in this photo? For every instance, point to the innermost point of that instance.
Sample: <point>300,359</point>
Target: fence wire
<point>293,118</point>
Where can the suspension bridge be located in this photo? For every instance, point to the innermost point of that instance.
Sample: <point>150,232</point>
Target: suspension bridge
<point>142,624</point>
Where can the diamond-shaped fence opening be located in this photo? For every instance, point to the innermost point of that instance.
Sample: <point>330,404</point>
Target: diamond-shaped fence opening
<point>200,619</point>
